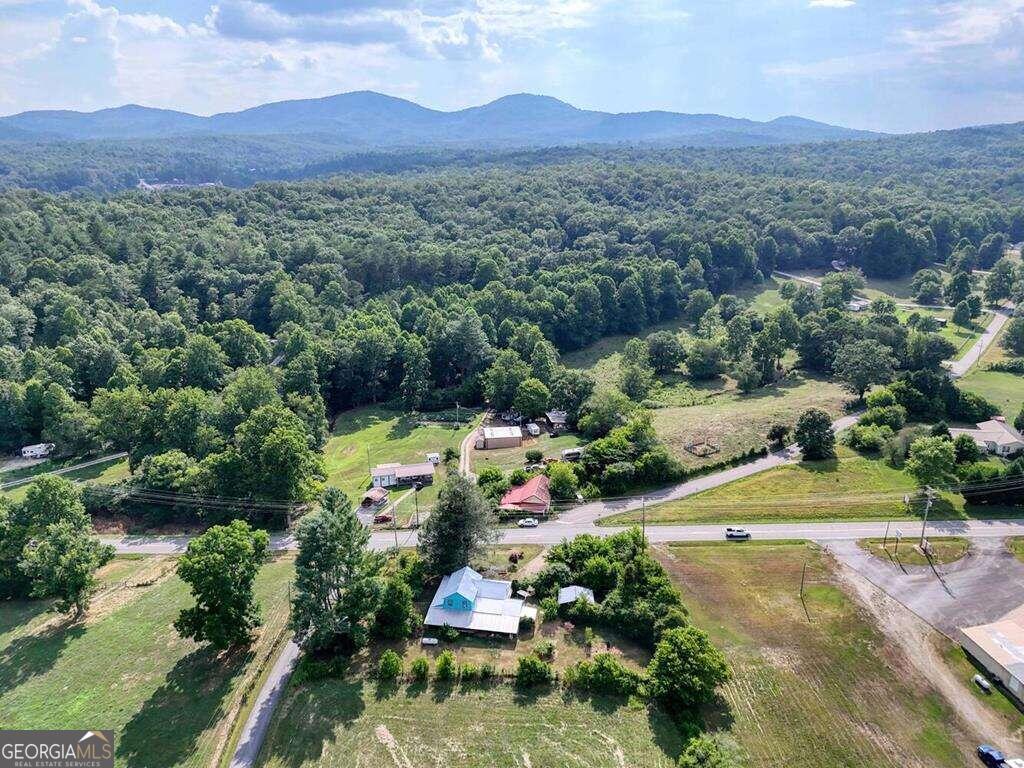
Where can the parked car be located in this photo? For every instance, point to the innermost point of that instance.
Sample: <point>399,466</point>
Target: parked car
<point>385,518</point>
<point>740,534</point>
<point>981,682</point>
<point>528,522</point>
<point>991,756</point>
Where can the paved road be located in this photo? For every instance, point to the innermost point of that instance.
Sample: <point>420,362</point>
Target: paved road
<point>979,588</point>
<point>255,730</point>
<point>64,470</point>
<point>958,368</point>
<point>553,532</point>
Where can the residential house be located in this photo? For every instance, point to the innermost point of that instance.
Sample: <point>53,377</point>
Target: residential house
<point>467,601</point>
<point>533,496</point>
<point>994,436</point>
<point>388,475</point>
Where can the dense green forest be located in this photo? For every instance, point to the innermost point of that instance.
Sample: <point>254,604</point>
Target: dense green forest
<point>213,332</point>
<point>965,164</point>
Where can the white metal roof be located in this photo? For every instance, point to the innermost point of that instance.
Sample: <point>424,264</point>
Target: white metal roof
<point>573,592</point>
<point>499,432</point>
<point>493,608</point>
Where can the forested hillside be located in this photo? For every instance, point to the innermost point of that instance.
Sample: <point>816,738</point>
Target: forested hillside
<point>148,321</point>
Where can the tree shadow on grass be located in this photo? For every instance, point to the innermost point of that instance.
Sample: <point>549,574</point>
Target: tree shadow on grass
<point>307,718</point>
<point>32,655</point>
<point>17,613</point>
<point>403,427</point>
<point>191,699</point>
<point>385,689</point>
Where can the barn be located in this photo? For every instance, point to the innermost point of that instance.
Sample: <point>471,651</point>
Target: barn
<point>502,437</point>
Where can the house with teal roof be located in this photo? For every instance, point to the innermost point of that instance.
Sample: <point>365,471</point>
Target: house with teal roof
<point>467,601</point>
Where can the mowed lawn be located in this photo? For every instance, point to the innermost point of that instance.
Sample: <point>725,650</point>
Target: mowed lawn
<point>508,459</point>
<point>1006,390</point>
<point>169,701</point>
<point>815,682</point>
<point>104,473</point>
<point>346,723</point>
<point>365,437</point>
<point>850,486</point>
<point>960,337</point>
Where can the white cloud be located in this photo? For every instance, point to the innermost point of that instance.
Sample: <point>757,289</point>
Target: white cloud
<point>964,24</point>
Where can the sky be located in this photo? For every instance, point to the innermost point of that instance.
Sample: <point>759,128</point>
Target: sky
<point>888,65</point>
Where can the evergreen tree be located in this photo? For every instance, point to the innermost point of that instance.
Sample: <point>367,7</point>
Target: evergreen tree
<point>460,528</point>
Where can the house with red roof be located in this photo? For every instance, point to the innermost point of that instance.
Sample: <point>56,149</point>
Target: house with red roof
<point>532,496</point>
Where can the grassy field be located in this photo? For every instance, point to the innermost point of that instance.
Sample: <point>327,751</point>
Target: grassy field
<point>104,473</point>
<point>508,459</point>
<point>365,437</point>
<point>169,701</point>
<point>1006,390</point>
<point>847,487</point>
<point>739,422</point>
<point>1016,546</point>
<point>945,549</point>
<point>961,338</point>
<point>816,684</point>
<point>336,724</point>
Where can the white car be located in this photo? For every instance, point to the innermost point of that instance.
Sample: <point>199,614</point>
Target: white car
<point>737,533</point>
<point>528,522</point>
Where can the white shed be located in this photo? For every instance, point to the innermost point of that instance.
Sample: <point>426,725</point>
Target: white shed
<point>572,593</point>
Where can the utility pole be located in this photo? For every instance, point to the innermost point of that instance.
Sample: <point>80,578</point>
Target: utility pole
<point>930,495</point>
<point>394,523</point>
<point>369,469</point>
<point>643,516</point>
<point>416,500</point>
<point>458,420</point>
<point>885,539</point>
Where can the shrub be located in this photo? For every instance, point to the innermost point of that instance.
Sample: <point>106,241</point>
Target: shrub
<point>777,434</point>
<point>518,476</point>
<point>967,451</point>
<point>564,482</point>
<point>487,671</point>
<point>814,434</point>
<point>390,665</point>
<point>870,438</point>
<point>420,669</point>
<point>686,669</point>
<point>549,609</point>
<point>545,649</point>
<point>892,416</point>
<point>532,671</point>
<point>534,455</point>
<point>604,675</point>
<point>469,671</point>
<point>706,751</point>
<point>526,624</point>
<point>881,398</point>
<point>446,668</point>
<point>397,616</point>
<point>448,633</point>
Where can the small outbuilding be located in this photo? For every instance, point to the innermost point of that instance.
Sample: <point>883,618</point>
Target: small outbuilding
<point>572,454</point>
<point>375,498</point>
<point>502,437</point>
<point>388,475</point>
<point>533,430</point>
<point>572,593</point>
<point>557,419</point>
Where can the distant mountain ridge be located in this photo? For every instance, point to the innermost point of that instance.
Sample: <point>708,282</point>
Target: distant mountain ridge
<point>368,119</point>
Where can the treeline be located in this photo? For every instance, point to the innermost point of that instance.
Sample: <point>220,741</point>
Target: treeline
<point>166,324</point>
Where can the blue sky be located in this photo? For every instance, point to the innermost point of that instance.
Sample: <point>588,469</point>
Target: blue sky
<point>892,65</point>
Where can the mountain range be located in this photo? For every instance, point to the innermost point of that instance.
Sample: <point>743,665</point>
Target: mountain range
<point>366,119</point>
